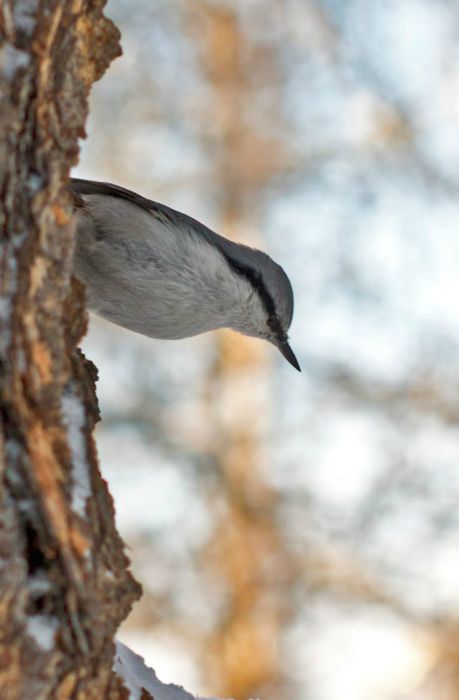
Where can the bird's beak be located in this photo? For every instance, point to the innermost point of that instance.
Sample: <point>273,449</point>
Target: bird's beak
<point>288,353</point>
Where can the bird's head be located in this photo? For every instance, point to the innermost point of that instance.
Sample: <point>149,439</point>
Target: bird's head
<point>266,308</point>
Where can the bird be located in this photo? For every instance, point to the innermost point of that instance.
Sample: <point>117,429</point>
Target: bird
<point>161,273</point>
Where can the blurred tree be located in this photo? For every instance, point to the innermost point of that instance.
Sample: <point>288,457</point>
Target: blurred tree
<point>242,137</point>
<point>331,126</point>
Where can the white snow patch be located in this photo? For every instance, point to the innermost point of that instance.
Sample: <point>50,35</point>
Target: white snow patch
<point>35,182</point>
<point>74,419</point>
<point>38,584</point>
<point>24,16</point>
<point>10,286</point>
<point>11,60</point>
<point>5,306</point>
<point>5,336</point>
<point>42,629</point>
<point>137,676</point>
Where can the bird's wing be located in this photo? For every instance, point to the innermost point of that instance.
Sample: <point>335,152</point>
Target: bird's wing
<point>82,187</point>
<point>242,259</point>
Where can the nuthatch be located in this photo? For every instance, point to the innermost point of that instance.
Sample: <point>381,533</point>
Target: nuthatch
<point>161,273</point>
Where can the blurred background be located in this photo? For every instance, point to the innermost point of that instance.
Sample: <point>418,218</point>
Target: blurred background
<point>297,536</point>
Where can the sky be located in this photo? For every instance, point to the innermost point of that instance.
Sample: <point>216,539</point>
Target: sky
<point>361,451</point>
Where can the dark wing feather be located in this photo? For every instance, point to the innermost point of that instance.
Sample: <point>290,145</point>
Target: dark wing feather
<point>87,187</point>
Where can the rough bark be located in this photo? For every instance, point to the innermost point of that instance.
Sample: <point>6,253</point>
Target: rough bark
<point>64,581</point>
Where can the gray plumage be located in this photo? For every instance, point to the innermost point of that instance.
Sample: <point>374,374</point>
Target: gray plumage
<point>161,273</point>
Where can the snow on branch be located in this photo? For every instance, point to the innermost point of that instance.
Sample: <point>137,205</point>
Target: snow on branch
<point>136,676</point>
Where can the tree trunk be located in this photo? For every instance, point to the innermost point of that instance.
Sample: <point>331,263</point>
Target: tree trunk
<point>64,582</point>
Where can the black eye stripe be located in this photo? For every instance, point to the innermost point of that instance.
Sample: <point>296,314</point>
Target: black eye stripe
<point>258,284</point>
